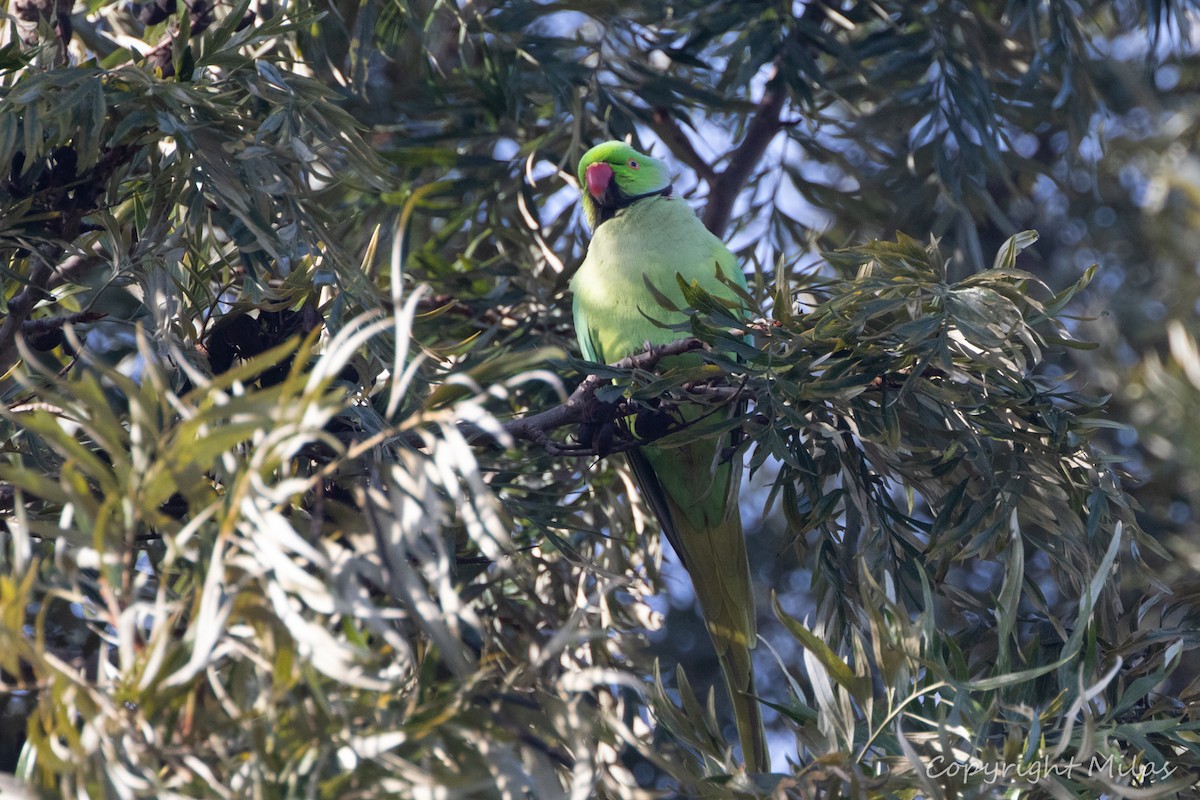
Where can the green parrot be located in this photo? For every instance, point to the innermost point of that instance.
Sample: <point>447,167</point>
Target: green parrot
<point>641,233</point>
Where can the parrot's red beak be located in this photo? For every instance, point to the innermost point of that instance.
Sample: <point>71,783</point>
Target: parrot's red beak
<point>598,177</point>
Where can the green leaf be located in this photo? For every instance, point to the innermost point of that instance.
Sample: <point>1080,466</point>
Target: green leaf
<point>837,669</point>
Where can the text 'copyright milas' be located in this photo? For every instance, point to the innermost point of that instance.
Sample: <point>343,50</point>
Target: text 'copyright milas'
<point>1137,773</point>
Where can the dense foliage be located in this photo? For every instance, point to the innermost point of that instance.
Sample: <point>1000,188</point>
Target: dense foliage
<point>285,308</point>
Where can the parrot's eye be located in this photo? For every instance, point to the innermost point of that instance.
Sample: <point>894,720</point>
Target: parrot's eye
<point>633,164</point>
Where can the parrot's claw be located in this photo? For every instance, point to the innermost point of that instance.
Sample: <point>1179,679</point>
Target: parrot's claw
<point>599,428</point>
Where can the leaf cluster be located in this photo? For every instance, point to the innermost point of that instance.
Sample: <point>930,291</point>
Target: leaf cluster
<point>295,573</point>
<point>970,540</point>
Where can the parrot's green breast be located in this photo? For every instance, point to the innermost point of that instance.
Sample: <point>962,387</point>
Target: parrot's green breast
<point>651,240</point>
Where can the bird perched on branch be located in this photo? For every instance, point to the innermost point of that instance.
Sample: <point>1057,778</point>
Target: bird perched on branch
<point>641,234</point>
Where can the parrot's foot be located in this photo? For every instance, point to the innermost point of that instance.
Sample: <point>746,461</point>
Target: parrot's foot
<point>599,427</point>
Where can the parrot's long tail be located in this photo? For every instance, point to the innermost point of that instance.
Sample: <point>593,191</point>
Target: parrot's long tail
<point>702,521</point>
<point>723,587</point>
<point>740,680</point>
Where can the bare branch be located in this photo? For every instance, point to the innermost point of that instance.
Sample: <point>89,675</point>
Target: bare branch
<point>668,129</point>
<point>46,324</point>
<point>745,156</point>
<point>536,427</point>
<point>74,268</point>
<point>91,35</point>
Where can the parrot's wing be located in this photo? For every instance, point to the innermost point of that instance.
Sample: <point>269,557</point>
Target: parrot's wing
<point>583,332</point>
<point>652,493</point>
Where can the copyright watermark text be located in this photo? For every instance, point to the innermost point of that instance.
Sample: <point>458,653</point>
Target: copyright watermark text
<point>1138,773</point>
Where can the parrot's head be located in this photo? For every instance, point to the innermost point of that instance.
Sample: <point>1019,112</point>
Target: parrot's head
<point>613,175</point>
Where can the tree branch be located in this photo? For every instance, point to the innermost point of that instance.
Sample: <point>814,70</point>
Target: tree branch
<point>46,324</point>
<point>668,129</point>
<point>536,427</point>
<point>761,130</point>
<point>74,268</point>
